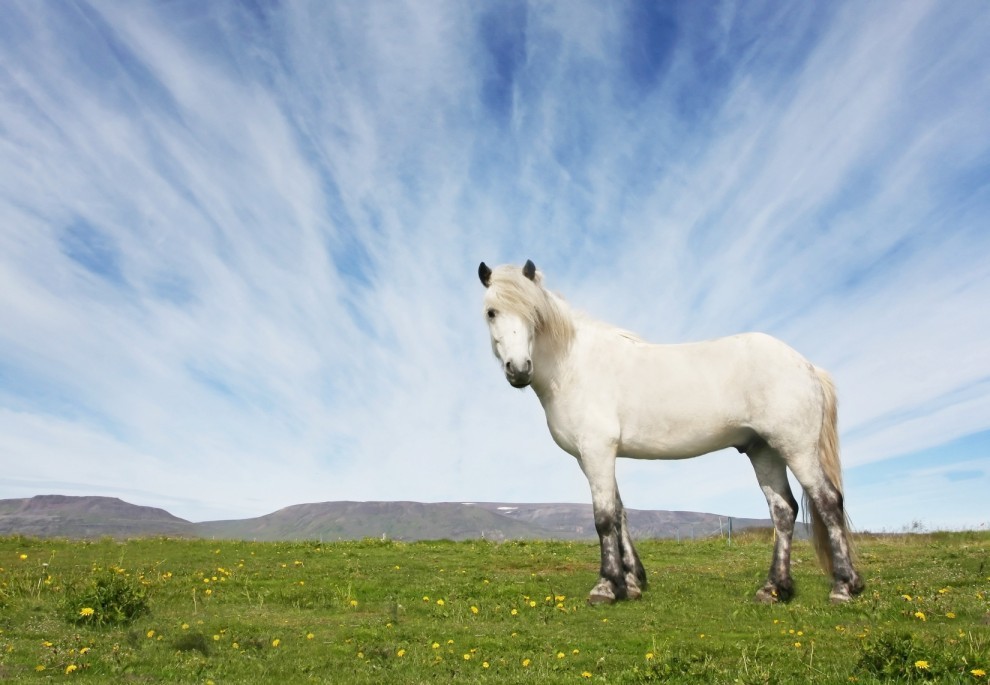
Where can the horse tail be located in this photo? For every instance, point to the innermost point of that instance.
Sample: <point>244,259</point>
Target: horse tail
<point>828,457</point>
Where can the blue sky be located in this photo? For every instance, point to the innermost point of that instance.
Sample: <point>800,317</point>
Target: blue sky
<point>239,241</point>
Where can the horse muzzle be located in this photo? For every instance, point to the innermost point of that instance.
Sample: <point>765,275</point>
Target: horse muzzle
<point>519,375</point>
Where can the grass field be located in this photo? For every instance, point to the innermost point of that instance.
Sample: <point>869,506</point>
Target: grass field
<point>374,612</point>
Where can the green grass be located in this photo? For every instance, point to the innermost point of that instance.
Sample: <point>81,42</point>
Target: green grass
<point>371,612</point>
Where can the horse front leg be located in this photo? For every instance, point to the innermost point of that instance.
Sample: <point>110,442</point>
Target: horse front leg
<point>599,467</point>
<point>635,574</point>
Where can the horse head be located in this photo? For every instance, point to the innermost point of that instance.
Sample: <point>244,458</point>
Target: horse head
<point>511,319</point>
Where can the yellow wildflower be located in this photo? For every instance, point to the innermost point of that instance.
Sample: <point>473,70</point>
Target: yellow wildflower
<point>70,668</point>
<point>585,674</point>
<point>921,664</point>
<point>216,638</point>
<point>310,636</point>
<point>23,557</point>
<point>83,650</point>
<point>950,614</point>
<point>560,655</point>
<point>484,664</point>
<point>440,602</point>
<point>649,656</point>
<point>920,615</point>
<point>474,610</point>
<point>401,653</point>
<point>87,611</point>
<point>39,668</point>
<point>978,672</point>
<point>150,634</point>
<point>354,603</point>
<point>467,657</point>
<point>526,663</point>
<point>276,642</point>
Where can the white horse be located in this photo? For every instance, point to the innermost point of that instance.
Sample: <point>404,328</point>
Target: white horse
<point>607,393</point>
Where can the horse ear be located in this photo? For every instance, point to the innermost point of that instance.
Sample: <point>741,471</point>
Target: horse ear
<point>485,274</point>
<point>529,270</point>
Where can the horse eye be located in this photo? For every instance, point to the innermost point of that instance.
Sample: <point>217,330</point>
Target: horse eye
<point>491,313</point>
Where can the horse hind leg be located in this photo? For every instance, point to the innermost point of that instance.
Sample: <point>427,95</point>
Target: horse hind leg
<point>830,532</point>
<point>771,473</point>
<point>829,527</point>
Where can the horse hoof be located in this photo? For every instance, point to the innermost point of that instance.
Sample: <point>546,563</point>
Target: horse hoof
<point>767,595</point>
<point>602,593</point>
<point>633,590</point>
<point>839,596</point>
<point>596,599</point>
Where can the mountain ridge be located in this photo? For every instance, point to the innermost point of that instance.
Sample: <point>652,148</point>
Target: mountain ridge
<point>94,517</point>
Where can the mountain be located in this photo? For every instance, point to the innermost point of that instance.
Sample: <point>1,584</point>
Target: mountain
<point>92,517</point>
<point>87,517</point>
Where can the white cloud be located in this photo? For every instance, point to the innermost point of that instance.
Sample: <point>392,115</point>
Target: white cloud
<point>296,208</point>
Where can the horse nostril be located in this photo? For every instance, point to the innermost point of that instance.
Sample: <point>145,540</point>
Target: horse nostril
<point>508,367</point>
<point>529,365</point>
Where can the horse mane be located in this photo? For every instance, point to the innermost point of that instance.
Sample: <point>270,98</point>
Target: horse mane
<point>546,312</point>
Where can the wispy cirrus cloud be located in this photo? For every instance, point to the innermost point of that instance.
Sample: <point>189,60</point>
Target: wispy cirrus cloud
<point>237,244</point>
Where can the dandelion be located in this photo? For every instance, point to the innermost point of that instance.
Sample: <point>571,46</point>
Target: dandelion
<point>560,655</point>
<point>585,674</point>
<point>150,634</point>
<point>234,645</point>
<point>440,602</point>
<point>467,657</point>
<point>943,591</point>
<point>650,656</point>
<point>354,603</point>
<point>86,612</point>
<point>575,652</point>
<point>23,557</point>
<point>426,598</point>
<point>360,655</point>
<point>276,642</point>
<point>532,604</point>
<point>83,651</point>
<point>310,636</point>
<point>920,615</point>
<point>70,668</point>
<point>450,642</point>
<point>514,612</point>
<point>797,645</point>
<point>978,672</point>
<point>400,653</point>
<point>185,626</point>
<point>474,610</point>
<point>435,645</point>
<point>559,598</point>
<point>526,663</point>
<point>906,598</point>
<point>484,664</point>
<point>921,665</point>
<point>39,668</point>
<point>950,614</point>
<point>216,638</point>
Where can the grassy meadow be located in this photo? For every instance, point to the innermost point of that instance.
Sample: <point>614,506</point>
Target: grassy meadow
<point>200,611</point>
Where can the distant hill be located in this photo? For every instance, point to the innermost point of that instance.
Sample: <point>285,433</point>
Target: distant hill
<point>87,517</point>
<point>93,517</point>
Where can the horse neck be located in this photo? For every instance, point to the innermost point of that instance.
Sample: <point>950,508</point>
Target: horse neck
<point>551,350</point>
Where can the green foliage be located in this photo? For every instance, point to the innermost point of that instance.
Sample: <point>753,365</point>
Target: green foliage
<point>110,598</point>
<point>378,611</point>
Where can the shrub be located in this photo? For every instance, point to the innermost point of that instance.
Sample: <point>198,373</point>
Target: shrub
<point>110,599</point>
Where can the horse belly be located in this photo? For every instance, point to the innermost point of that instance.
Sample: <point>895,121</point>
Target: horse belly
<point>682,415</point>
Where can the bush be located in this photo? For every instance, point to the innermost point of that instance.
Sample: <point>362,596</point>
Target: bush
<point>110,599</point>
